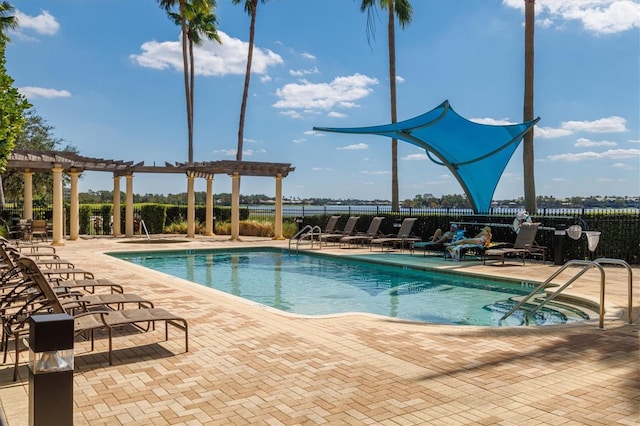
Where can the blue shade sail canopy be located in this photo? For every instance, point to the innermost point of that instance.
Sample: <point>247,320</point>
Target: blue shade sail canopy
<point>476,154</point>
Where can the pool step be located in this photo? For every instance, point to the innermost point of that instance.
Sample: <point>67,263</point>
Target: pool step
<point>554,312</point>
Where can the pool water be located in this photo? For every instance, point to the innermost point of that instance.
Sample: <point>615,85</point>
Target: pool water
<point>318,285</point>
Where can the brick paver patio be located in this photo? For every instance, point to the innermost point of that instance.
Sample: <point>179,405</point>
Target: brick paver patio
<point>252,365</point>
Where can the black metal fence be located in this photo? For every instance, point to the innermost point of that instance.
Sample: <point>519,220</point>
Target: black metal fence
<point>619,228</point>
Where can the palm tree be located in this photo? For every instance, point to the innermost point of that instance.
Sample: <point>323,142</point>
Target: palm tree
<point>7,21</point>
<point>251,7</point>
<point>403,11</point>
<point>199,21</point>
<point>527,155</point>
<point>168,6</point>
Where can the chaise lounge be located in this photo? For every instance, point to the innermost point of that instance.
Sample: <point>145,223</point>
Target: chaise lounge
<point>401,239</point>
<point>524,246</point>
<point>89,320</point>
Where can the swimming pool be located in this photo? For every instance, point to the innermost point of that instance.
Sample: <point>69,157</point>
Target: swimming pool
<point>312,284</point>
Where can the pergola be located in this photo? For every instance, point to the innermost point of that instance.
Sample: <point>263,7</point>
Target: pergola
<point>59,162</point>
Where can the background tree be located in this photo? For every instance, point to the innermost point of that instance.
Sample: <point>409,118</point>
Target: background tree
<point>200,22</point>
<point>404,12</point>
<point>37,134</point>
<point>527,154</point>
<point>12,103</point>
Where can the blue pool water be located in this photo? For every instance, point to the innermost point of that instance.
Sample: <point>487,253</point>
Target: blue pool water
<point>319,285</point>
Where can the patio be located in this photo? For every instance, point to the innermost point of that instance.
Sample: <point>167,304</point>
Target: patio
<point>253,365</point>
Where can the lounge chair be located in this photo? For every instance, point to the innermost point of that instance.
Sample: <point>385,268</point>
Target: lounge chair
<point>89,321</point>
<point>401,239</point>
<point>39,229</point>
<point>364,237</point>
<point>331,225</point>
<point>19,295</point>
<point>56,268</point>
<point>525,245</point>
<point>349,229</point>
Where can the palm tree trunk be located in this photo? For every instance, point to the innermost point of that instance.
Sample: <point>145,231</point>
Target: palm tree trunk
<point>191,95</point>
<point>528,155</point>
<point>247,78</point>
<point>185,64</point>
<point>395,204</point>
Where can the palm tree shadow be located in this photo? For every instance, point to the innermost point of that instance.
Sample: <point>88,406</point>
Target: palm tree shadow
<point>611,347</point>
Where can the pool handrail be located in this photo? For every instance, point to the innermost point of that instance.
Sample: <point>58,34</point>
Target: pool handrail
<point>586,265</point>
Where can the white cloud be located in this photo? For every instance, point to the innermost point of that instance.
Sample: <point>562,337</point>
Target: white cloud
<point>614,154</point>
<point>492,121</point>
<point>300,73</point>
<point>582,142</point>
<point>300,140</point>
<point>622,166</point>
<point>604,179</point>
<point>380,172</point>
<point>308,55</point>
<point>355,146</point>
<point>211,58</point>
<point>596,16</point>
<point>339,93</point>
<point>336,114</point>
<point>227,152</point>
<point>550,133</point>
<point>291,114</point>
<point>603,125</point>
<point>232,152</point>
<point>413,157</point>
<point>42,92</point>
<point>45,23</point>
<point>265,78</point>
<point>399,79</point>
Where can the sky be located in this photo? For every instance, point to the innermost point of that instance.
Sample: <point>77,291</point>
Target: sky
<point>107,75</point>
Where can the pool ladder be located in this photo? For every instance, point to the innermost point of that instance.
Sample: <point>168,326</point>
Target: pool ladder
<point>585,266</point>
<point>311,233</point>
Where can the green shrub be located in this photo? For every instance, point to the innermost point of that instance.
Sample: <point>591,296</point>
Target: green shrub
<point>154,216</point>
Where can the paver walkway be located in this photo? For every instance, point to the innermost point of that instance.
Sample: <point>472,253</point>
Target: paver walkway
<point>251,365</point>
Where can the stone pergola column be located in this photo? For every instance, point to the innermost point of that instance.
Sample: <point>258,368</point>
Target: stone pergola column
<point>235,206</point>
<point>74,221</point>
<point>27,212</point>
<point>191,206</point>
<point>117,232</point>
<point>128,207</point>
<point>278,215</point>
<point>58,225</point>
<point>209,208</point>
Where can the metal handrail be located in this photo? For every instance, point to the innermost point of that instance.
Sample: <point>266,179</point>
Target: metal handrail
<point>586,265</point>
<point>143,226</point>
<point>620,262</point>
<point>307,231</point>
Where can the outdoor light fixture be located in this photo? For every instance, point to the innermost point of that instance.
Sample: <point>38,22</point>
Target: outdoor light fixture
<point>51,369</point>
